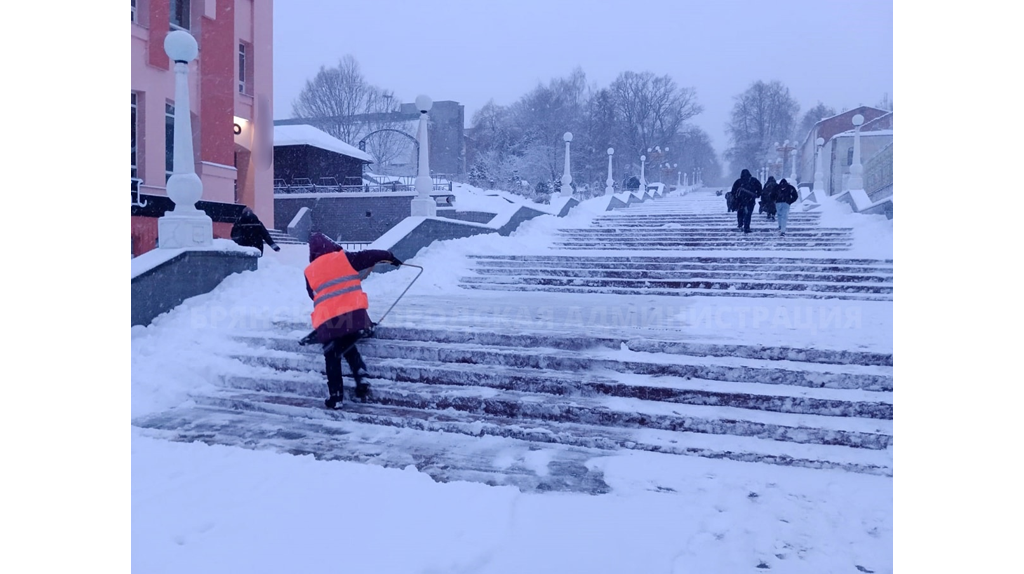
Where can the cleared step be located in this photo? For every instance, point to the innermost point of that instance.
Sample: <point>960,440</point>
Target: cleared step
<point>676,275</point>
<point>303,428</point>
<point>725,285</point>
<point>538,344</point>
<point>872,434</point>
<point>396,366</point>
<point>687,259</point>
<point>678,292</point>
<point>371,439</point>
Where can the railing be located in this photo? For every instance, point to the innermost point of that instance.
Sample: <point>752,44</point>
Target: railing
<point>878,175</point>
<point>352,245</point>
<point>331,185</point>
<point>137,191</point>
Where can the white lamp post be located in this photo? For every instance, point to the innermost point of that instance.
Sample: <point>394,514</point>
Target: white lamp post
<point>184,226</point>
<point>792,173</point>
<point>423,204</point>
<point>566,178</point>
<point>819,183</point>
<point>643,180</point>
<point>609,183</point>
<point>856,169</point>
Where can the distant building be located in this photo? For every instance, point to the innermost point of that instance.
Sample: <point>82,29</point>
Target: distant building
<point>876,134</point>
<point>231,99</point>
<point>303,153</point>
<point>445,131</point>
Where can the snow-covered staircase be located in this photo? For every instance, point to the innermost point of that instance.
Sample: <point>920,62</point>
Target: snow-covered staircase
<point>283,238</point>
<point>535,409</point>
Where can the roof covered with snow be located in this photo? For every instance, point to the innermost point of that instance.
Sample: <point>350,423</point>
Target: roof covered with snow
<point>304,134</point>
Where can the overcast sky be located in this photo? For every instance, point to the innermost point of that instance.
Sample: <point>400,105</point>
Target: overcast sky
<point>470,51</point>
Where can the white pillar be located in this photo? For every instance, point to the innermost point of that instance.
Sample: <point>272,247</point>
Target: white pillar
<point>679,178</point>
<point>423,204</point>
<point>819,176</point>
<point>609,184</point>
<point>184,226</point>
<point>856,169</point>
<point>643,180</point>
<point>566,178</point>
<point>792,173</point>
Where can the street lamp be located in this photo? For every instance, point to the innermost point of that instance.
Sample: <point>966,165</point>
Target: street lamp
<point>609,183</point>
<point>819,177</point>
<point>423,204</point>
<point>566,178</point>
<point>643,181</point>
<point>184,226</point>
<point>856,169</point>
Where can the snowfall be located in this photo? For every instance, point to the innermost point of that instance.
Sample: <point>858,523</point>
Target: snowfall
<point>198,508</point>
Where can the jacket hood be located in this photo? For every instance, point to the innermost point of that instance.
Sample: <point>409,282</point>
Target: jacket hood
<point>783,182</point>
<point>320,244</point>
<point>771,179</point>
<point>745,174</point>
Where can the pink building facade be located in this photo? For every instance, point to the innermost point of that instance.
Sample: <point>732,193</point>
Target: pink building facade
<point>231,99</point>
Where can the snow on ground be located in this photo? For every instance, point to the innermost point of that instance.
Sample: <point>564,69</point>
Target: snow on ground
<point>199,508</point>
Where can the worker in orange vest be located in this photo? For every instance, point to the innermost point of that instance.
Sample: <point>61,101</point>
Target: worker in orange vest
<point>333,281</point>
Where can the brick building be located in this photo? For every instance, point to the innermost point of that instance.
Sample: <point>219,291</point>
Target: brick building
<point>231,99</point>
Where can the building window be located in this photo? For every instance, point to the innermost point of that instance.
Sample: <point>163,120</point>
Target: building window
<point>135,15</point>
<point>135,155</point>
<point>181,14</point>
<point>241,68</point>
<point>169,139</point>
<point>849,156</point>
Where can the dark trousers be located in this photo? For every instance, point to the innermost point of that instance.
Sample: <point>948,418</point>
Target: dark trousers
<point>333,352</point>
<point>745,213</point>
<point>739,217</point>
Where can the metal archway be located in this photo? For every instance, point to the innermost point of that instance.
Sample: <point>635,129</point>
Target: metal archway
<point>415,142</point>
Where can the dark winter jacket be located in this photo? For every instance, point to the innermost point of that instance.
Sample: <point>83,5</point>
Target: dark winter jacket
<point>768,196</point>
<point>786,193</point>
<point>361,261</point>
<point>250,231</point>
<point>746,189</point>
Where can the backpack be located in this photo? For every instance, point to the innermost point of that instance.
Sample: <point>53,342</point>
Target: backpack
<point>730,201</point>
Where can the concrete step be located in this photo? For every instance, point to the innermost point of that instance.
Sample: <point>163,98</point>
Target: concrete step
<point>487,373</point>
<point>367,434</point>
<point>768,265</point>
<point>582,348</point>
<point>665,284</point>
<point>752,246</point>
<point>689,259</point>
<point>691,275</point>
<point>524,407</point>
<point>678,292</point>
<point>542,456</point>
<point>283,238</point>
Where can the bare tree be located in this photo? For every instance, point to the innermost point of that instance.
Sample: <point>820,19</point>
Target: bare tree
<point>814,115</point>
<point>885,103</point>
<point>349,108</point>
<point>337,95</point>
<point>762,115</point>
<point>651,109</point>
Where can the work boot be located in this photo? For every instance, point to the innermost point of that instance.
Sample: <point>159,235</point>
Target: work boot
<point>362,391</point>
<point>334,401</point>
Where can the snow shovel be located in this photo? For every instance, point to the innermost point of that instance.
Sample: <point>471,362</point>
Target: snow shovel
<point>311,337</point>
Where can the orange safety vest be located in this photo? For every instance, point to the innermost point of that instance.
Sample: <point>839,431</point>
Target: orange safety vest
<point>336,287</point>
